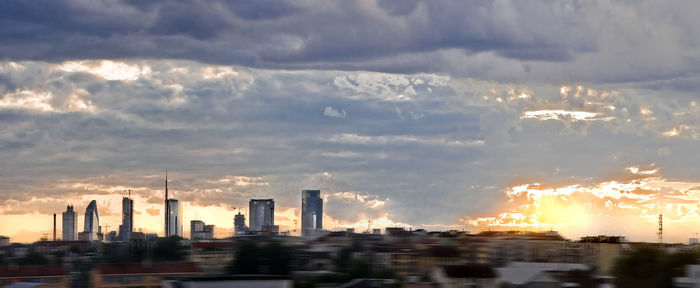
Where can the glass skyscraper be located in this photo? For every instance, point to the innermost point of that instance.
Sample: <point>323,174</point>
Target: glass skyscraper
<point>311,211</point>
<point>261,214</point>
<point>92,221</point>
<point>174,218</point>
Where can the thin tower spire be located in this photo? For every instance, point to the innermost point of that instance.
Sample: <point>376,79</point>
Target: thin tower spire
<point>167,231</point>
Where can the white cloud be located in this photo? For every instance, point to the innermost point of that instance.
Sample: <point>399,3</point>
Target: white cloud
<point>107,69</point>
<point>330,112</point>
<point>563,115</point>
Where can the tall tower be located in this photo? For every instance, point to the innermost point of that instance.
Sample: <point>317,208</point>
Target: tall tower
<point>261,214</point>
<point>311,211</point>
<point>127,225</point>
<point>239,224</point>
<point>174,219</point>
<point>92,222</point>
<point>70,223</point>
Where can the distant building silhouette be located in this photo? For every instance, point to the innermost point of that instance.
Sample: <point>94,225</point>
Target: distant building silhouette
<point>92,223</point>
<point>127,225</point>
<point>261,214</point>
<point>311,211</point>
<point>70,222</point>
<point>239,224</point>
<point>200,231</point>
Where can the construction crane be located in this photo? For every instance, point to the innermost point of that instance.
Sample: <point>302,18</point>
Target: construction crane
<point>661,229</point>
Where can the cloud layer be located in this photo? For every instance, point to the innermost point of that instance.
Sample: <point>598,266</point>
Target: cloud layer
<point>419,149</point>
<point>602,41</point>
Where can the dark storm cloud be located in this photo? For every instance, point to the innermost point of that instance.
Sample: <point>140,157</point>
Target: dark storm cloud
<point>407,36</point>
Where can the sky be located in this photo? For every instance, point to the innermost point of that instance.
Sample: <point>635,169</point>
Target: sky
<point>576,116</point>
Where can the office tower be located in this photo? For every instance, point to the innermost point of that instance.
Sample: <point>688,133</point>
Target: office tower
<point>92,222</point>
<point>127,225</point>
<point>174,220</point>
<point>261,214</point>
<point>311,211</point>
<point>54,226</point>
<point>70,222</point>
<point>200,231</point>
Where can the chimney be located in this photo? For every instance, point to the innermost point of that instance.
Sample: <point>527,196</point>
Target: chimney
<point>54,226</point>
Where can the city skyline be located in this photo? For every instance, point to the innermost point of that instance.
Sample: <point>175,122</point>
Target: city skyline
<point>575,116</point>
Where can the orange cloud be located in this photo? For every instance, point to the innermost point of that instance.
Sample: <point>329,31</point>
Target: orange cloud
<point>631,203</point>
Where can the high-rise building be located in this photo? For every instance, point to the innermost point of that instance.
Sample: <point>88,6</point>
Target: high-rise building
<point>174,220</point>
<point>311,211</point>
<point>239,224</point>
<point>70,222</point>
<point>92,222</point>
<point>173,214</point>
<point>127,225</point>
<point>200,231</point>
<point>261,214</point>
<point>54,226</point>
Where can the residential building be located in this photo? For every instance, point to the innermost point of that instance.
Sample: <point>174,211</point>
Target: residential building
<point>212,257</point>
<point>311,211</point>
<point>473,276</point>
<point>52,275</point>
<point>70,223</point>
<point>261,214</point>
<point>127,225</point>
<point>234,281</point>
<point>239,224</point>
<point>140,274</point>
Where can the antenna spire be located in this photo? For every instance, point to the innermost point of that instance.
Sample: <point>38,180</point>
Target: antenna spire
<point>167,209</point>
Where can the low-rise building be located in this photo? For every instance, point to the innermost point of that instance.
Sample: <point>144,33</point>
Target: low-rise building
<point>140,274</point>
<point>212,257</point>
<point>473,276</point>
<point>56,275</point>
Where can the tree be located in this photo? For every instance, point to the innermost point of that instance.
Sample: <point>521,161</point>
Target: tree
<point>247,259</point>
<point>169,249</point>
<point>342,262</point>
<point>278,257</point>
<point>33,258</point>
<point>651,267</point>
<point>360,268</point>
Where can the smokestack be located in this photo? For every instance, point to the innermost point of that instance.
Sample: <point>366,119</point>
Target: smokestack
<point>54,226</point>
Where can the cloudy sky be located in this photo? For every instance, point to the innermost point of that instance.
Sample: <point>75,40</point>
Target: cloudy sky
<point>577,116</point>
